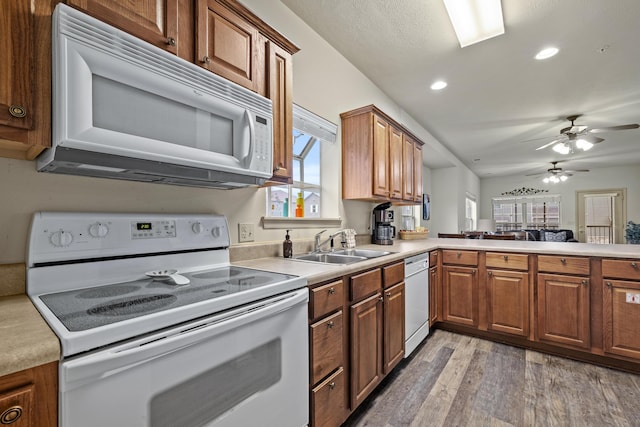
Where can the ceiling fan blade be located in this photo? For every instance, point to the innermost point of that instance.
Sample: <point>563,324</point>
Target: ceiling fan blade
<point>549,144</point>
<point>610,128</point>
<point>576,170</point>
<point>535,174</point>
<point>591,139</point>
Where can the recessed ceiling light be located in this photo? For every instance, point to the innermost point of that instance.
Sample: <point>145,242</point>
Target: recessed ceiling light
<point>547,53</point>
<point>439,85</point>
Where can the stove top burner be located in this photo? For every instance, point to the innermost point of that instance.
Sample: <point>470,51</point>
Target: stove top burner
<point>108,291</point>
<point>84,309</point>
<point>133,305</point>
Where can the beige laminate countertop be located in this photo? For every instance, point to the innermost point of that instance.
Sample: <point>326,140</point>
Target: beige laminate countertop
<point>27,340</point>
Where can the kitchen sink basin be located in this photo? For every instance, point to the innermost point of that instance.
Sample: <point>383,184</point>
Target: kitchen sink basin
<point>330,258</point>
<point>366,253</point>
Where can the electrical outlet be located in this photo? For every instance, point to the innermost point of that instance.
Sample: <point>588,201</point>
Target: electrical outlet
<point>245,233</point>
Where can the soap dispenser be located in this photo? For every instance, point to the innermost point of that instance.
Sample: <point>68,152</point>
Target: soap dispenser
<point>287,246</point>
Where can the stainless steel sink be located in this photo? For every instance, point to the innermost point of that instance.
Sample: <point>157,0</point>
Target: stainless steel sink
<point>330,258</point>
<point>366,253</point>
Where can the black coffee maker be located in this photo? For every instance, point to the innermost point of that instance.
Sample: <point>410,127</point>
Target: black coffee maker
<point>383,232</point>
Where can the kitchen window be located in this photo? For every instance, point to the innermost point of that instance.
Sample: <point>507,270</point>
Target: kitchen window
<point>310,132</point>
<point>471,212</point>
<point>526,212</point>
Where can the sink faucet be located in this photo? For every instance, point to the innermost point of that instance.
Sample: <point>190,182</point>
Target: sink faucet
<point>318,245</point>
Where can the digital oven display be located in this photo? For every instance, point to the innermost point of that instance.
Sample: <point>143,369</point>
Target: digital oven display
<point>146,226</point>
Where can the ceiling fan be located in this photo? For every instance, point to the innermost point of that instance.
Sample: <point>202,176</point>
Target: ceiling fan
<point>556,174</point>
<point>580,137</point>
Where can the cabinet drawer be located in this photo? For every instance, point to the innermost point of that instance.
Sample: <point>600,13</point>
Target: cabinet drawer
<point>393,274</point>
<point>365,284</point>
<point>563,264</point>
<point>623,269</point>
<point>459,257</point>
<point>15,407</point>
<point>507,260</point>
<point>326,346</point>
<point>433,258</point>
<point>328,401</point>
<point>326,298</point>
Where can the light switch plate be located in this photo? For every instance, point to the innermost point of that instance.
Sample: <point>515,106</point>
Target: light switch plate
<point>245,233</point>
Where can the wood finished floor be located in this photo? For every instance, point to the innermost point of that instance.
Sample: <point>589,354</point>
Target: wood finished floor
<point>455,380</point>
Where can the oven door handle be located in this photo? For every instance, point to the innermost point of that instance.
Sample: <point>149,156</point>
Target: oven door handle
<point>90,368</point>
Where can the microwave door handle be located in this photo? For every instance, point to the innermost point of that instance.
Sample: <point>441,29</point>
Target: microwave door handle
<point>252,135</point>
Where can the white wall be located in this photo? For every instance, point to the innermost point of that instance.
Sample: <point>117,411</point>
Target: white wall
<point>324,82</point>
<point>597,179</point>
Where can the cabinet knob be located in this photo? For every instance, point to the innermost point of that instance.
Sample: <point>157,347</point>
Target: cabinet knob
<point>609,284</point>
<point>332,291</point>
<point>634,265</point>
<point>11,415</point>
<point>17,111</point>
<point>277,168</point>
<point>585,282</point>
<point>332,385</point>
<point>473,271</point>
<point>459,254</point>
<point>330,324</point>
<point>563,260</point>
<point>388,294</point>
<point>506,257</point>
<point>206,60</point>
<point>171,41</point>
<point>381,299</point>
<point>490,273</point>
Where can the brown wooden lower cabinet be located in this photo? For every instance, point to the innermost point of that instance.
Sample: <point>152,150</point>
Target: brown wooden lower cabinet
<point>29,398</point>
<point>435,296</point>
<point>563,310</point>
<point>621,300</point>
<point>366,347</point>
<point>460,289</point>
<point>393,326</point>
<point>328,401</point>
<point>508,302</point>
<point>326,346</point>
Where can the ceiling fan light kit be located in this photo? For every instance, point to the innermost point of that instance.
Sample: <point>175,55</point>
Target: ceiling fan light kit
<point>562,148</point>
<point>546,53</point>
<point>475,20</point>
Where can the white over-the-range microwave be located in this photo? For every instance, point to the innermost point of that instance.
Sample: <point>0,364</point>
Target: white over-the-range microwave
<point>125,109</point>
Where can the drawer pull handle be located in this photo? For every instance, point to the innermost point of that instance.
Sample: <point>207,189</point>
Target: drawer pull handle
<point>381,299</point>
<point>332,291</point>
<point>609,284</point>
<point>490,273</point>
<point>171,41</point>
<point>330,324</point>
<point>17,111</point>
<point>585,282</point>
<point>634,265</point>
<point>473,271</point>
<point>11,415</point>
<point>563,260</point>
<point>506,258</point>
<point>388,294</point>
<point>332,385</point>
<point>459,254</point>
<point>206,60</point>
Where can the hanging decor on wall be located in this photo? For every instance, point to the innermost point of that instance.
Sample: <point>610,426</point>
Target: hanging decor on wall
<point>524,191</point>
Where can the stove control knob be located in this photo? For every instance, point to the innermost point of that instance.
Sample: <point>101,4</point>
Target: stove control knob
<point>215,231</point>
<point>61,238</point>
<point>98,230</point>
<point>197,227</point>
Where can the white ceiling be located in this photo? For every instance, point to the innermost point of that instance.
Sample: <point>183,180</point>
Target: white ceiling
<point>498,94</point>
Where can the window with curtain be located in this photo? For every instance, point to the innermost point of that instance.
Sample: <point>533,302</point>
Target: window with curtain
<point>526,212</point>
<point>471,212</point>
<point>310,131</point>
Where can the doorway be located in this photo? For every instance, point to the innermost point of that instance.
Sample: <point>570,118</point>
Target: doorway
<point>601,215</point>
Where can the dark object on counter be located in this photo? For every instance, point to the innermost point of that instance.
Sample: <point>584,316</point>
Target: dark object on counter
<point>287,246</point>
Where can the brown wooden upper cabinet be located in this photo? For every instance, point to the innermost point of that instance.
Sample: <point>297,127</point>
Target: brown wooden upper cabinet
<point>24,99</point>
<point>381,160</point>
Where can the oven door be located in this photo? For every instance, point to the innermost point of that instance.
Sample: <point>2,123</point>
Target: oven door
<point>247,366</point>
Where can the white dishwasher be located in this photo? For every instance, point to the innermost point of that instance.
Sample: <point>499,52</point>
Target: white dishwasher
<point>416,279</point>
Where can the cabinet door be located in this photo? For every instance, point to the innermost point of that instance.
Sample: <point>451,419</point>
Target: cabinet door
<point>435,292</point>
<point>15,59</point>
<point>29,397</point>
<point>508,302</point>
<point>280,87</point>
<point>366,347</point>
<point>460,295</point>
<point>407,169</point>
<point>563,309</point>
<point>328,401</point>
<point>325,337</point>
<point>154,21</point>
<point>417,172</point>
<point>227,44</point>
<point>380,157</point>
<point>622,318</point>
<point>393,326</point>
<point>395,163</point>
